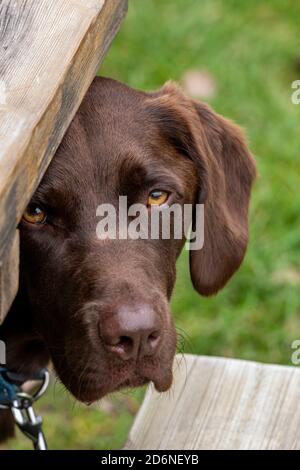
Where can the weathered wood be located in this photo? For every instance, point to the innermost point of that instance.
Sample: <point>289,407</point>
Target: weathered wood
<point>50,51</point>
<point>218,403</point>
<point>9,275</point>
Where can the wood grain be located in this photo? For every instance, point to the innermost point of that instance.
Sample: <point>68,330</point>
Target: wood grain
<point>50,50</point>
<point>218,403</point>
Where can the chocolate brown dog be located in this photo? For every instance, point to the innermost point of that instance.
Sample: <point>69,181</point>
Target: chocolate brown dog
<point>99,309</point>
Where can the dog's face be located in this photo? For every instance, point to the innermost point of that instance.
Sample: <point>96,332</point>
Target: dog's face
<point>102,305</point>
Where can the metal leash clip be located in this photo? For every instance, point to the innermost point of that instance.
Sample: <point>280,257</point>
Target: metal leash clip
<point>21,404</point>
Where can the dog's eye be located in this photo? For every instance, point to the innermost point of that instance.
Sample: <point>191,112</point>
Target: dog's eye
<point>157,197</point>
<point>34,214</point>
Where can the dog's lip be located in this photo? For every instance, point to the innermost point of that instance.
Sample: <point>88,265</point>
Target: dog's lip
<point>92,388</point>
<point>161,385</point>
<point>164,384</point>
<point>161,379</point>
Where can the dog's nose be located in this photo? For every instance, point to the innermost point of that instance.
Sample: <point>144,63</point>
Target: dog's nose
<point>131,332</point>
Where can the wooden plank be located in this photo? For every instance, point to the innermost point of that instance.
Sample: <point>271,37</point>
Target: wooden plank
<point>50,50</point>
<point>9,276</point>
<point>218,403</point>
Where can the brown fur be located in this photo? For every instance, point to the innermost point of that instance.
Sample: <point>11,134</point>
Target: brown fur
<point>72,286</point>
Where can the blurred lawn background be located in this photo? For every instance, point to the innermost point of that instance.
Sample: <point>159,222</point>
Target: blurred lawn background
<point>250,49</point>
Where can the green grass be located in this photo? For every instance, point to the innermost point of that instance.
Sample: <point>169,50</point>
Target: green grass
<point>250,48</point>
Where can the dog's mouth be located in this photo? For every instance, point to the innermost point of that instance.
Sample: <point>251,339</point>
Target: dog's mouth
<point>161,379</point>
<point>94,374</point>
<point>94,385</point>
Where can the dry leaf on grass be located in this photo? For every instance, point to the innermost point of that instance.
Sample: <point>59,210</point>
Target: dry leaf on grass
<point>289,275</point>
<point>199,84</point>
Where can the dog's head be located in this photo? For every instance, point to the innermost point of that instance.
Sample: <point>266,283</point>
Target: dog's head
<point>102,305</point>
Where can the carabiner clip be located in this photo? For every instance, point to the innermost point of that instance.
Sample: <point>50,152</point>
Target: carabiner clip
<point>28,422</point>
<point>21,404</point>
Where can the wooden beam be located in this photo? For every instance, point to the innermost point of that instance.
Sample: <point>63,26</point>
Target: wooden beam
<point>50,51</point>
<point>218,403</point>
<point>9,276</point>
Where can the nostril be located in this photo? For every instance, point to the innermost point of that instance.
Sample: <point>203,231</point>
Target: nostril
<point>153,340</point>
<point>153,337</point>
<point>122,346</point>
<point>125,342</point>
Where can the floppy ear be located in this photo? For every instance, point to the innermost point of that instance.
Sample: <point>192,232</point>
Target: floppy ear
<point>230,172</point>
<point>226,171</point>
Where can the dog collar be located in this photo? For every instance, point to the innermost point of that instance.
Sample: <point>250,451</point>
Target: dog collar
<point>8,390</point>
